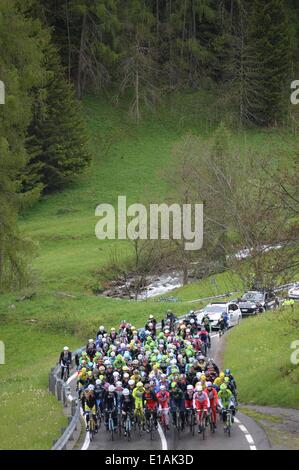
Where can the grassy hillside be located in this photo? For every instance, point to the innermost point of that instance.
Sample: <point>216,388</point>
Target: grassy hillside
<point>259,354</point>
<point>127,161</point>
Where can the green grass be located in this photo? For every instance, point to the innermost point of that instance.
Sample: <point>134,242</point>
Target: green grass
<point>127,161</point>
<point>259,354</point>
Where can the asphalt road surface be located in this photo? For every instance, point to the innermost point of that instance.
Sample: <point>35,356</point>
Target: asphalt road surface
<point>245,433</point>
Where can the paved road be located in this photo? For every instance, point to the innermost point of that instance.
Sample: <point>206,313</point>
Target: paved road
<point>246,434</point>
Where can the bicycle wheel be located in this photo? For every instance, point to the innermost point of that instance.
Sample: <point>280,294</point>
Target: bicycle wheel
<point>91,428</point>
<point>119,424</point>
<point>192,425</point>
<point>151,427</point>
<point>111,428</point>
<point>178,424</point>
<point>128,427</point>
<point>203,428</point>
<point>229,424</point>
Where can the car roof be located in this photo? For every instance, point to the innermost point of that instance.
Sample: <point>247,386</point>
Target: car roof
<point>218,303</point>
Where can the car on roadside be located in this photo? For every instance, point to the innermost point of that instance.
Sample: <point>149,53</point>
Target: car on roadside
<point>215,311</point>
<point>293,292</point>
<point>254,302</point>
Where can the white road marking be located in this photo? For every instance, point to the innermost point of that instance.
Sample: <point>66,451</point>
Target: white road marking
<point>248,436</point>
<point>87,438</point>
<point>72,377</point>
<point>162,437</point>
<point>249,439</point>
<point>243,429</point>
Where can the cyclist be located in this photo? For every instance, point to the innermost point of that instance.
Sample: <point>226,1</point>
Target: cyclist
<point>65,360</point>
<point>163,401</point>
<point>110,406</point>
<point>127,407</point>
<point>213,397</point>
<point>226,402</point>
<point>89,406</point>
<point>206,323</point>
<point>150,403</point>
<point>138,397</point>
<point>99,392</point>
<point>201,403</point>
<point>177,403</point>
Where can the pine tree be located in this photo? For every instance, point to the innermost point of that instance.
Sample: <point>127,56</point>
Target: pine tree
<point>267,63</point>
<point>57,135</point>
<point>21,43</point>
<point>138,66</point>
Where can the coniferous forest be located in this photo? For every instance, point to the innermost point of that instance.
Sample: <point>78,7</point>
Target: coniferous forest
<point>55,52</point>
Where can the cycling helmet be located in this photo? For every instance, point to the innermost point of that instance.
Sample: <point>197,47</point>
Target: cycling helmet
<point>162,387</point>
<point>227,371</point>
<point>126,392</point>
<point>198,388</point>
<point>65,348</point>
<point>209,384</point>
<point>223,387</point>
<point>139,384</point>
<point>111,389</point>
<point>98,382</point>
<point>131,382</point>
<point>90,387</point>
<point>190,387</point>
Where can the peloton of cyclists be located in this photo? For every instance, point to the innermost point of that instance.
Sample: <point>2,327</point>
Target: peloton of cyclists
<point>151,373</point>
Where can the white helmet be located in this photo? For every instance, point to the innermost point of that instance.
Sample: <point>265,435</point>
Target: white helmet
<point>111,388</point>
<point>98,382</point>
<point>65,348</point>
<point>112,354</point>
<point>118,384</point>
<point>90,387</point>
<point>192,321</point>
<point>131,382</point>
<point>90,340</point>
<point>190,387</point>
<point>115,374</point>
<point>198,388</point>
<point>209,384</point>
<point>126,392</point>
<point>102,328</point>
<point>162,387</point>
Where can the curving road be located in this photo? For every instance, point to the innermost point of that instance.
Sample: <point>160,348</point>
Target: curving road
<point>245,435</point>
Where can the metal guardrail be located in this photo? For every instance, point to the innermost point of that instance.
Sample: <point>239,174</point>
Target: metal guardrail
<point>62,392</point>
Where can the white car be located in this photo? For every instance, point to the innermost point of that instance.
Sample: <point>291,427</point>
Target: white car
<point>294,292</point>
<point>216,309</point>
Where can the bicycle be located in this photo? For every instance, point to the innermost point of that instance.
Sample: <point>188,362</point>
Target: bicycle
<point>178,423</point>
<point>91,424</point>
<point>151,425</point>
<point>202,423</point>
<point>66,371</point>
<point>162,416</point>
<point>210,421</point>
<point>139,420</point>
<point>190,420</point>
<point>128,426</point>
<point>228,421</point>
<point>99,416</point>
<point>111,425</point>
